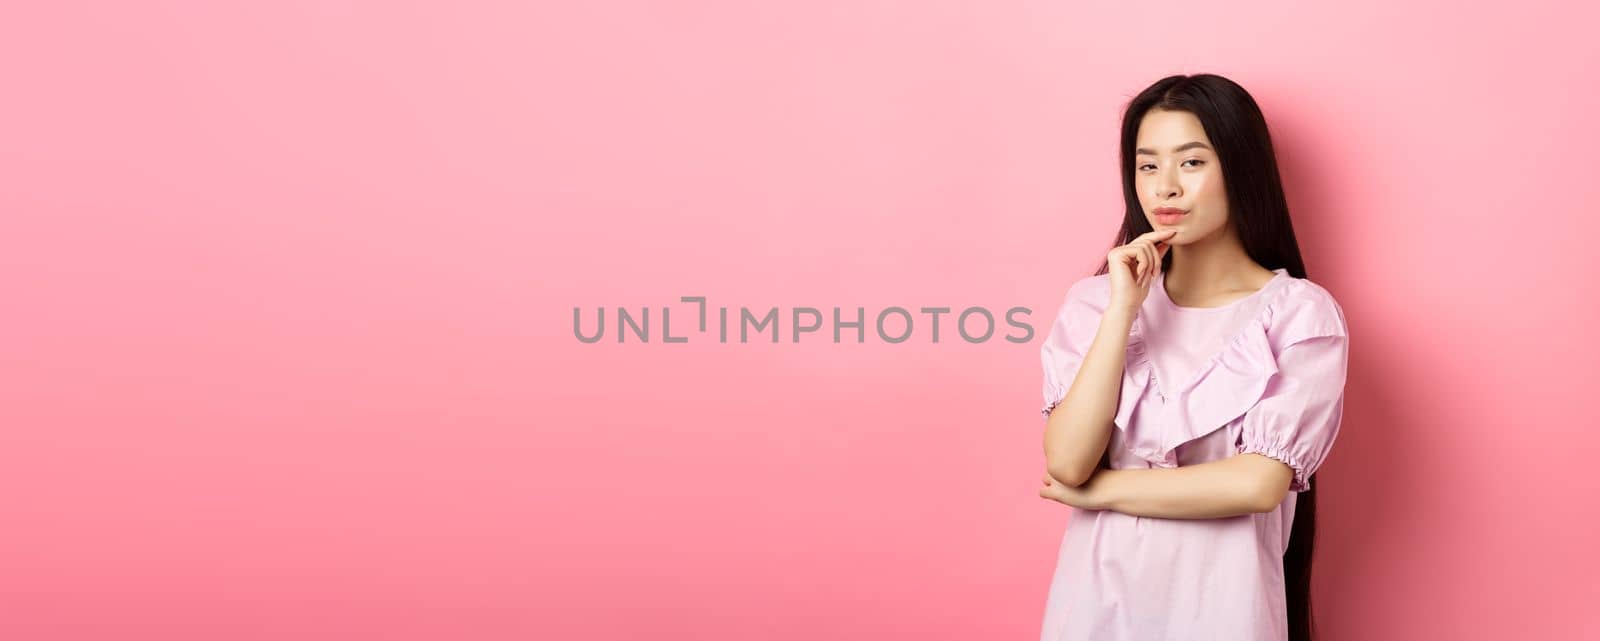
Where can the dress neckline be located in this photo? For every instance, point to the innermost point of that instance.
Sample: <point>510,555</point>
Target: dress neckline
<point>1160,286</point>
<point>1247,334</point>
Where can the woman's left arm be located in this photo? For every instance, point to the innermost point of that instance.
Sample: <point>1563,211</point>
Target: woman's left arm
<point>1240,484</point>
<point>1283,439</point>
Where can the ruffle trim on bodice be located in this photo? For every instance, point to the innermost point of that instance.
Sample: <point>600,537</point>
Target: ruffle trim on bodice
<point>1224,388</point>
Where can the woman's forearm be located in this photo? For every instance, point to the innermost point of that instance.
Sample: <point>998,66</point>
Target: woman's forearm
<point>1078,429</point>
<point>1241,484</point>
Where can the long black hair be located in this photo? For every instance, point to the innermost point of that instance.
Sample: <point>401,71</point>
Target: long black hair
<point>1258,210</point>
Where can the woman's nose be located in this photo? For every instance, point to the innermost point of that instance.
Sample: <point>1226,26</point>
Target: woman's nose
<point>1166,187</point>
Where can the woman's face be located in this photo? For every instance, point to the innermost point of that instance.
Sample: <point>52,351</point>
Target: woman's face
<point>1175,166</point>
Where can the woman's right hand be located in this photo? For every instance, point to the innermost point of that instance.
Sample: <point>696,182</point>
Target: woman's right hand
<point>1134,266</point>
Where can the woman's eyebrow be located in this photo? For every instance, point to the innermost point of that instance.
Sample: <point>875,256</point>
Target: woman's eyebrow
<point>1188,145</point>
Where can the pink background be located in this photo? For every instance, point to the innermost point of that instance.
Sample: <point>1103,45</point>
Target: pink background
<point>289,290</point>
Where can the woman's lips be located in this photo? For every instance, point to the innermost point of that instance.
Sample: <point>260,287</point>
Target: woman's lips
<point>1168,215</point>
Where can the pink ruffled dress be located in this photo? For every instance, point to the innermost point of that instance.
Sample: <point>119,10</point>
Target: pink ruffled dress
<point>1264,374</point>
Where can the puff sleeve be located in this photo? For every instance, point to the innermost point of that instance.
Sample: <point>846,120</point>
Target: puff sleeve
<point>1297,418</point>
<point>1068,341</point>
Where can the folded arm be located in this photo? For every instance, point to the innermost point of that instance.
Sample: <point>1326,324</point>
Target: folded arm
<point>1240,484</point>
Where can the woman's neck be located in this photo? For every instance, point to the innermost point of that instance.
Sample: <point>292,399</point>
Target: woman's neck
<point>1213,271</point>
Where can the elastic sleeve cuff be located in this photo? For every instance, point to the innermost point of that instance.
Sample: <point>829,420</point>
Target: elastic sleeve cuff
<point>1253,446</point>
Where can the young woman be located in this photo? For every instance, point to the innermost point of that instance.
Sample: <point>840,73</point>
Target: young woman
<point>1192,388</point>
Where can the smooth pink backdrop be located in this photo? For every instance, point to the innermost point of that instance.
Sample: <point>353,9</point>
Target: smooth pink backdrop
<point>288,349</point>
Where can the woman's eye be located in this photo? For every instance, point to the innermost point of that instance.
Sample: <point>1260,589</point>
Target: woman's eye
<point>1197,162</point>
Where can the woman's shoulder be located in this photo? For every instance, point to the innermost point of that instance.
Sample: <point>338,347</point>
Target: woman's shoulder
<point>1302,308</point>
<point>1092,288</point>
<point>1090,292</point>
